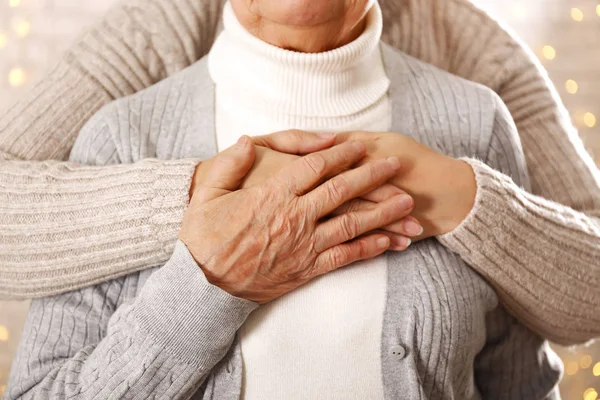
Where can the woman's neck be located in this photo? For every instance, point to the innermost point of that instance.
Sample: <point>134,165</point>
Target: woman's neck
<point>304,26</point>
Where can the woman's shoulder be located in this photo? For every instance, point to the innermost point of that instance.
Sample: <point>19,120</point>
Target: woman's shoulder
<point>147,123</point>
<point>417,75</point>
<point>449,104</point>
<point>188,81</point>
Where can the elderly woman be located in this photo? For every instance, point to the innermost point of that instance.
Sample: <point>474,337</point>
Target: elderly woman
<point>416,324</point>
<point>549,284</point>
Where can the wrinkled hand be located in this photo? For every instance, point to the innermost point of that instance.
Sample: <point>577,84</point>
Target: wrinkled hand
<point>442,187</point>
<point>261,242</point>
<point>282,148</point>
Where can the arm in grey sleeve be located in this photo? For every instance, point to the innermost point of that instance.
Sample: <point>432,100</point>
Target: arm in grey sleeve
<point>94,343</point>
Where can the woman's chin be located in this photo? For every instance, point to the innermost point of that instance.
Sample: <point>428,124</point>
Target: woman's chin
<point>306,26</point>
<point>297,13</point>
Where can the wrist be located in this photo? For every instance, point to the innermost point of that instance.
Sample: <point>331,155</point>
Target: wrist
<point>459,194</point>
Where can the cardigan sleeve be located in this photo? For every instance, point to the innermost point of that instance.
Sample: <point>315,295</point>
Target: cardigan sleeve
<point>46,224</point>
<point>542,257</point>
<point>100,343</point>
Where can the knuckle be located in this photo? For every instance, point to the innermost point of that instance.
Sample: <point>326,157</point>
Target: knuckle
<point>363,248</point>
<point>316,163</point>
<point>353,205</point>
<point>377,170</point>
<point>261,140</point>
<point>338,189</point>
<point>339,257</point>
<point>349,226</point>
<point>381,215</point>
<point>388,191</point>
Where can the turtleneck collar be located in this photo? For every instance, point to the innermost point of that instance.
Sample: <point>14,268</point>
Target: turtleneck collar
<point>260,77</point>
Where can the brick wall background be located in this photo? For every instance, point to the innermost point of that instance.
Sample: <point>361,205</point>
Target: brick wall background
<point>565,34</point>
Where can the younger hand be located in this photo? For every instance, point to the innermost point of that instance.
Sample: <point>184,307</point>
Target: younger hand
<point>443,187</point>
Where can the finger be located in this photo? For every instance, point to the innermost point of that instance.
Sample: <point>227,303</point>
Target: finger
<point>304,174</point>
<point>228,170</point>
<point>353,205</point>
<point>358,204</point>
<point>363,248</point>
<point>409,226</point>
<point>352,184</point>
<point>378,195</point>
<point>353,135</point>
<point>398,242</point>
<point>383,193</point>
<point>296,141</point>
<point>349,226</point>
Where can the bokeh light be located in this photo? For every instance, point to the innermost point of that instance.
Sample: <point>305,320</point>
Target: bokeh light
<point>571,86</point>
<point>571,368</point>
<point>23,28</point>
<point>585,361</point>
<point>589,120</point>
<point>549,52</point>
<point>596,369</point>
<point>590,394</point>
<point>577,14</point>
<point>3,333</point>
<point>519,10</point>
<point>16,77</point>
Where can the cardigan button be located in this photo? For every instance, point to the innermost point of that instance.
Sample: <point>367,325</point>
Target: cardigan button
<point>398,352</point>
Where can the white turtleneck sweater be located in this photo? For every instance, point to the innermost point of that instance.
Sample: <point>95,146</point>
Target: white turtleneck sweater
<point>291,345</point>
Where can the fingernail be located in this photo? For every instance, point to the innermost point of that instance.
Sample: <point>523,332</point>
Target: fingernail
<point>405,201</point>
<point>242,142</point>
<point>394,162</point>
<point>382,243</point>
<point>326,135</point>
<point>413,228</point>
<point>404,242</point>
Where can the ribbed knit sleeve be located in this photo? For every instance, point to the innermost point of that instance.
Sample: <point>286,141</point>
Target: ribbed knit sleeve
<point>64,226</point>
<point>99,343</point>
<point>542,257</point>
<point>545,264</point>
<point>62,220</point>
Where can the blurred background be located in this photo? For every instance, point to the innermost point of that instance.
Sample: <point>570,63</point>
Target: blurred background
<point>564,34</point>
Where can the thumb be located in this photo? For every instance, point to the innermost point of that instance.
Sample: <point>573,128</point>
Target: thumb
<point>295,141</point>
<point>227,171</point>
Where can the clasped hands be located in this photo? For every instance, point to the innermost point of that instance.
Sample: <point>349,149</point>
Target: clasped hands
<point>273,212</point>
